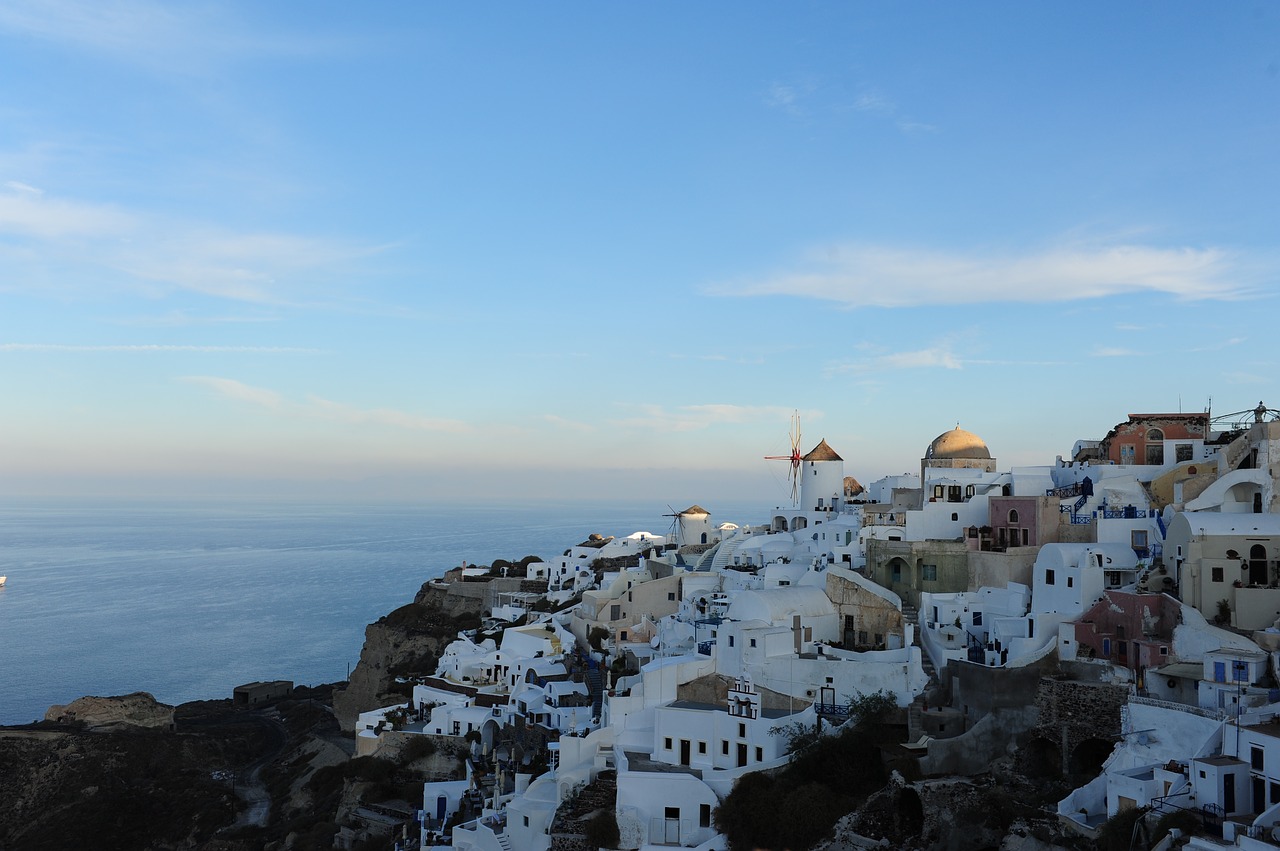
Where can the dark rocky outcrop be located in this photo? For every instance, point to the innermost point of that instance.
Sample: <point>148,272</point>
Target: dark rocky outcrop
<point>408,642</point>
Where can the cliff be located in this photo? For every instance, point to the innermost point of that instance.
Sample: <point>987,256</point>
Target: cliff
<point>408,642</point>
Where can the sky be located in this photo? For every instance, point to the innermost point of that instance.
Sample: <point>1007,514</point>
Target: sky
<point>500,251</point>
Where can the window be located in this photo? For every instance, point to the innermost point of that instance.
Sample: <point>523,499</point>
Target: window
<point>623,635</point>
<point>759,754</point>
<point>929,572</point>
<point>1275,792</point>
<point>897,571</point>
<point>1155,434</point>
<point>1048,576</point>
<point>704,815</point>
<point>1138,539</point>
<point>968,490</point>
<point>1013,515</point>
<point>1255,758</point>
<point>702,747</point>
<point>1182,452</point>
<point>1071,581</point>
<point>977,618</point>
<point>954,517</point>
<point>1217,574</point>
<point>1164,651</point>
<point>724,746</point>
<point>938,491</point>
<point>666,743</point>
<point>615,612</point>
<point>1026,537</point>
<point>526,821</point>
<point>753,642</point>
<point>671,595</point>
<point>731,641</point>
<point>742,731</point>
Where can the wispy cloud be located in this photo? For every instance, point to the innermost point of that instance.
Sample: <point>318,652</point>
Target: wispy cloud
<point>874,276</point>
<point>1112,352</point>
<point>185,319</point>
<point>318,408</point>
<point>931,358</point>
<point>1246,378</point>
<point>878,103</point>
<point>1219,346</point>
<point>153,348</point>
<point>791,98</point>
<point>163,36</point>
<point>697,417</point>
<point>28,213</point>
<point>156,253</point>
<point>19,186</point>
<point>568,425</point>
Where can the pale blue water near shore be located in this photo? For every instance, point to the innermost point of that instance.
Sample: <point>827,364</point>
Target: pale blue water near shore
<point>186,600</point>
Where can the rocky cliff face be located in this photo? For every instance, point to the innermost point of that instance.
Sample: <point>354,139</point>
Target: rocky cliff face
<point>101,714</point>
<point>405,643</point>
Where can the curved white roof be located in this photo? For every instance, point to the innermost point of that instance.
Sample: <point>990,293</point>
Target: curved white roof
<point>776,605</point>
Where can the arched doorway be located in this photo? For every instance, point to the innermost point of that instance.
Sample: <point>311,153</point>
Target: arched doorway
<point>899,572</point>
<point>1088,756</point>
<point>1041,759</point>
<point>1258,565</point>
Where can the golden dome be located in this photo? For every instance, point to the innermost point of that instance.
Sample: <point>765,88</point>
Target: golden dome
<point>957,443</point>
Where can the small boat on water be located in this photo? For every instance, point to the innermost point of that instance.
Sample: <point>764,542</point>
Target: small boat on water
<point>2,579</point>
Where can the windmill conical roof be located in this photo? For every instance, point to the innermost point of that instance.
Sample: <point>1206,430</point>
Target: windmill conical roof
<point>822,452</point>
<point>695,509</point>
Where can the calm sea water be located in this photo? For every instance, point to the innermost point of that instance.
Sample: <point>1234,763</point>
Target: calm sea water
<point>188,600</point>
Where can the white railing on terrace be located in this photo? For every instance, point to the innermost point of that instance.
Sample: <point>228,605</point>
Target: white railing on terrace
<point>1180,707</point>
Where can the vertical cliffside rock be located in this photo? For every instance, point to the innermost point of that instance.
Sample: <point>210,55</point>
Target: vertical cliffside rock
<point>404,643</point>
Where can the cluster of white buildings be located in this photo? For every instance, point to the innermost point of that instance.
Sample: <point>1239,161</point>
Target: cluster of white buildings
<point>1151,557</point>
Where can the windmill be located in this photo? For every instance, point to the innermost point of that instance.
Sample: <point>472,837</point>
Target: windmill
<point>796,458</point>
<point>675,534</point>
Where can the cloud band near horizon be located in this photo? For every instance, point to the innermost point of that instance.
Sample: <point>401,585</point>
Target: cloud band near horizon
<point>876,276</point>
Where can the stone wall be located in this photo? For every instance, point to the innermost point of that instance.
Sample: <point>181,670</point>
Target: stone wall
<point>1073,712</point>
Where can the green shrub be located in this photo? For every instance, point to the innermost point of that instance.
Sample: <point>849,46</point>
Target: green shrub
<point>418,747</point>
<point>1184,820</point>
<point>1116,833</point>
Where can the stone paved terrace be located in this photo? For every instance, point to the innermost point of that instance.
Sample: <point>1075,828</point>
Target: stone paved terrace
<point>637,761</point>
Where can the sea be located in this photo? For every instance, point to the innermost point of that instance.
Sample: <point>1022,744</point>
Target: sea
<point>188,599</point>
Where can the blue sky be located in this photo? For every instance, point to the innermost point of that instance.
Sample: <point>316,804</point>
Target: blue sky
<point>605,250</point>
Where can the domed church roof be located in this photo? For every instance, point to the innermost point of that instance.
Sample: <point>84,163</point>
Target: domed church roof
<point>957,443</point>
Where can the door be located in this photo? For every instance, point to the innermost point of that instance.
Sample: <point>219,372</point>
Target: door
<point>684,751</point>
<point>672,825</point>
<point>1228,794</point>
<point>1258,565</point>
<point>742,754</point>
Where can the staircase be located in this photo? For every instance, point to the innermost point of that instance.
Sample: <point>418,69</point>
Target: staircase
<point>569,824</point>
<point>595,686</point>
<point>504,841</point>
<point>911,615</point>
